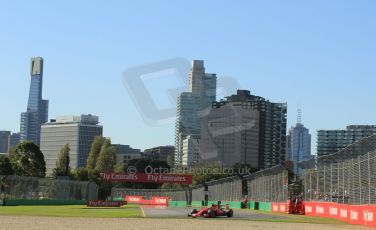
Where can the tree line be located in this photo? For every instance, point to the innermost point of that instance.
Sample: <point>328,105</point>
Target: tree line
<point>25,160</point>
<point>28,160</point>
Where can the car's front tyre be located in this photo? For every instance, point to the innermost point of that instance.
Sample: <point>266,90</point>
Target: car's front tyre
<point>230,213</point>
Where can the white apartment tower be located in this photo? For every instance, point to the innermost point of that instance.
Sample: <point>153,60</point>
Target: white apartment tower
<point>202,92</point>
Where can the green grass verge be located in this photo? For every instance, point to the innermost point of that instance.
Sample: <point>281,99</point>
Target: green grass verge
<point>72,211</point>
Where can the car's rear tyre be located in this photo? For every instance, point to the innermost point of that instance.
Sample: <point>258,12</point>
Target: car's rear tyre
<point>230,213</point>
<point>211,213</point>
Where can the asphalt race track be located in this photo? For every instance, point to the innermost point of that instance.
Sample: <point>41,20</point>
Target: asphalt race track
<point>166,212</point>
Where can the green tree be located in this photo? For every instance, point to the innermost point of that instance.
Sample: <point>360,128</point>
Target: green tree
<point>105,163</point>
<point>80,174</point>
<point>94,152</point>
<point>171,160</point>
<point>28,160</point>
<point>119,167</point>
<point>172,186</point>
<point>106,158</point>
<point>139,164</point>
<point>62,163</point>
<point>11,151</point>
<point>5,166</point>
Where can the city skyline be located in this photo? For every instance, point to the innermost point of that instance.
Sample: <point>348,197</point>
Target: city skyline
<point>328,74</point>
<point>160,114</point>
<point>313,147</point>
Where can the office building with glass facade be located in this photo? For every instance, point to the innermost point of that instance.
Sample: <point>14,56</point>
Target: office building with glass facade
<point>4,141</point>
<point>298,145</point>
<point>161,153</point>
<point>77,131</point>
<point>14,140</point>
<point>125,153</point>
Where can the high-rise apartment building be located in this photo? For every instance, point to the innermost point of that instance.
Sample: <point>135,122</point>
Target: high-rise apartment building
<point>331,141</point>
<point>4,141</point>
<point>77,131</point>
<point>271,125</point>
<point>230,135</point>
<point>191,151</point>
<point>187,122</point>
<point>37,108</point>
<point>202,92</point>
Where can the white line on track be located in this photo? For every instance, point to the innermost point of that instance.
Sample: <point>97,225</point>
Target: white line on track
<point>142,211</point>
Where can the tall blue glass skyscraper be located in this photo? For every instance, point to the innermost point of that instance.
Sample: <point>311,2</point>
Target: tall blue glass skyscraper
<point>37,108</point>
<point>298,144</point>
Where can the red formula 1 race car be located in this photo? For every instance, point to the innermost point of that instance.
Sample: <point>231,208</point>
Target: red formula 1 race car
<point>213,211</point>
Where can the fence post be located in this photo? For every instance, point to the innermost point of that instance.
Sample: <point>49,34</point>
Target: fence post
<point>343,179</point>
<point>369,179</point>
<point>269,183</point>
<point>310,186</point>
<point>317,182</point>
<point>285,185</point>
<point>338,183</point>
<point>331,182</point>
<point>352,195</point>
<point>360,181</point>
<point>324,183</point>
<point>305,186</point>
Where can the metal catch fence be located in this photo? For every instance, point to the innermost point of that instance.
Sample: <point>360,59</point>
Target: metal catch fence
<point>269,185</point>
<point>226,189</point>
<point>348,176</point>
<point>197,193</point>
<point>34,188</point>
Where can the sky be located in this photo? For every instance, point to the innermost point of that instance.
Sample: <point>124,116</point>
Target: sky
<point>317,55</point>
